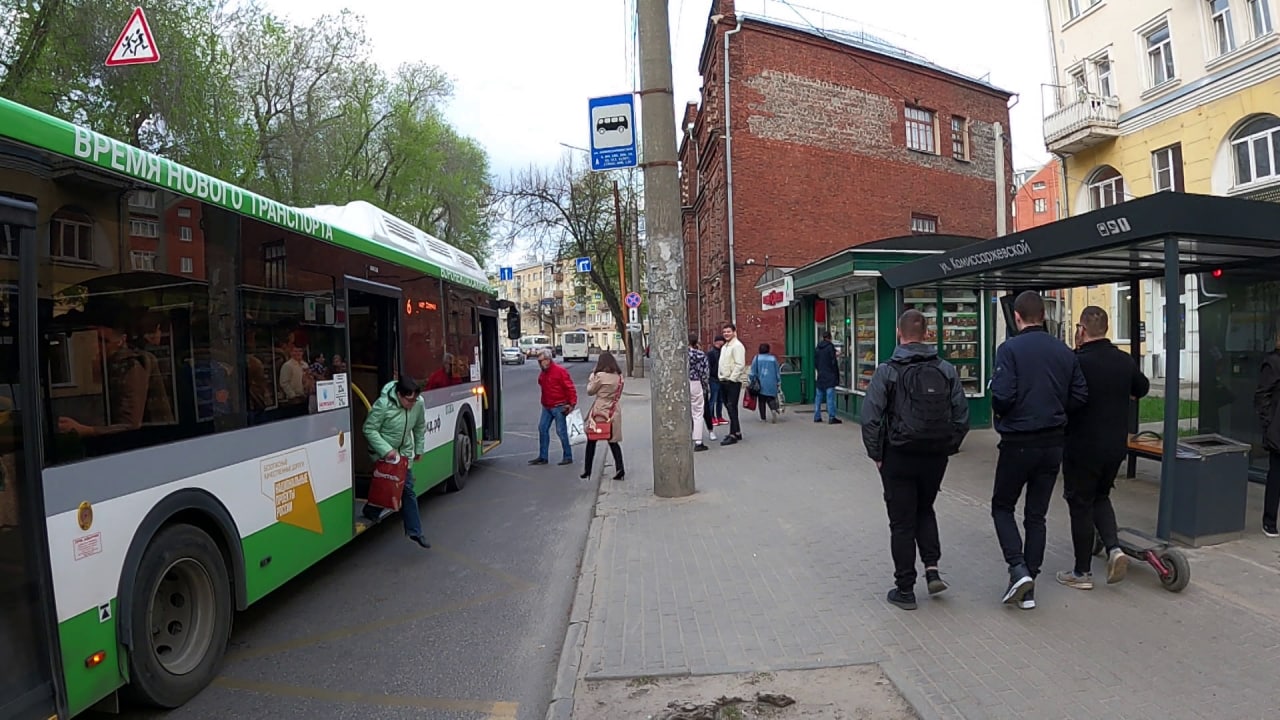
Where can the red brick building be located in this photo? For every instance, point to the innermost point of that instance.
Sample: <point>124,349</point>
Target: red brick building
<point>1038,200</point>
<point>832,140</point>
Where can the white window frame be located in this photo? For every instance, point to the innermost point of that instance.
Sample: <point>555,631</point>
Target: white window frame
<point>143,199</point>
<point>144,228</point>
<point>185,234</point>
<point>142,260</point>
<point>84,235</point>
<point>1156,171</point>
<point>1038,185</point>
<point>924,224</point>
<point>188,265</point>
<point>64,339</point>
<point>1076,8</point>
<point>921,125</point>
<point>10,240</point>
<point>1079,83</point>
<point>1106,80</point>
<point>1168,69</point>
<point>1040,205</point>
<point>1260,22</point>
<point>1270,139</point>
<point>184,212</point>
<point>1102,187</point>
<point>1222,33</point>
<point>1117,300</point>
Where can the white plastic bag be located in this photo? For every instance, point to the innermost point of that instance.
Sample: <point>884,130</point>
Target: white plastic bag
<point>577,428</point>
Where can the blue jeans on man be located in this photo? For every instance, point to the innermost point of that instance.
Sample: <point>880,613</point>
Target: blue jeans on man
<point>829,396</point>
<point>556,415</point>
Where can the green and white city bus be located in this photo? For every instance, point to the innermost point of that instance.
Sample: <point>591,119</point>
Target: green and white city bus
<point>186,367</point>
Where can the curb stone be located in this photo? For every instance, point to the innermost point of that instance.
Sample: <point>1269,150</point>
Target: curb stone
<point>570,663</point>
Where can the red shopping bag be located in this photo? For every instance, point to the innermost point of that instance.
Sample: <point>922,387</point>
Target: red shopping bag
<point>387,486</point>
<point>748,401</point>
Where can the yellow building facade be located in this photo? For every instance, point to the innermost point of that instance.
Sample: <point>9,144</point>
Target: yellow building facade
<point>1153,98</point>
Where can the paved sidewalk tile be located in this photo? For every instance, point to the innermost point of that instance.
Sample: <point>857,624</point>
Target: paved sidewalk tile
<point>781,560</point>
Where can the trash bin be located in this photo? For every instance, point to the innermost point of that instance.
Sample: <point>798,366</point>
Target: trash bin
<point>791,380</point>
<point>1210,486</point>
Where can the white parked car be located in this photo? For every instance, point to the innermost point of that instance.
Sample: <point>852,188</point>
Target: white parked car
<point>512,356</point>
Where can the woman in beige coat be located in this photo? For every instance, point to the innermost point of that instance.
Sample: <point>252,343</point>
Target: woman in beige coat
<point>605,384</point>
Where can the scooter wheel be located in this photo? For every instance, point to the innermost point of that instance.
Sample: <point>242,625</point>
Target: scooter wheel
<point>1179,570</point>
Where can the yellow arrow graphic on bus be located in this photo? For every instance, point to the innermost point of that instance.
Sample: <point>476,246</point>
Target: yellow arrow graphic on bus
<point>286,479</point>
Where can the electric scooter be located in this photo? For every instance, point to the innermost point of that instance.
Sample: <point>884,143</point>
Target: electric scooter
<point>1168,561</point>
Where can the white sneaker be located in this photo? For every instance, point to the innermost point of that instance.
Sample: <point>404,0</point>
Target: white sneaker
<point>711,436</point>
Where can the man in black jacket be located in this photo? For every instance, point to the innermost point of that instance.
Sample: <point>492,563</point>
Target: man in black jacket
<point>824,361</point>
<point>1037,381</point>
<point>914,416</point>
<point>1097,443</point>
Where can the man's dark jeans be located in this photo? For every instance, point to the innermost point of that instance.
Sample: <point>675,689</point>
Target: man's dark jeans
<point>732,392</point>
<point>1086,486</point>
<point>1034,467</point>
<point>911,482</point>
<point>1271,500</point>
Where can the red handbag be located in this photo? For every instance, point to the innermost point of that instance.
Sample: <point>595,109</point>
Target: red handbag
<point>603,430</point>
<point>748,401</point>
<point>387,486</point>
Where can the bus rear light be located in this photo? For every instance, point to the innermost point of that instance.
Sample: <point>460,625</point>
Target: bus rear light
<point>95,659</point>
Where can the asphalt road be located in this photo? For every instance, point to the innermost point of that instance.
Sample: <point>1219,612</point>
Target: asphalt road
<point>469,629</point>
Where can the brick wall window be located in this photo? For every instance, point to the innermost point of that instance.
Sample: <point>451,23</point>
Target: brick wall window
<point>1041,205</point>
<point>923,224</point>
<point>921,130</point>
<point>959,137</point>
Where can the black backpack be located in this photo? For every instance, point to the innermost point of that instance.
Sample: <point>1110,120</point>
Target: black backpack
<point>921,409</point>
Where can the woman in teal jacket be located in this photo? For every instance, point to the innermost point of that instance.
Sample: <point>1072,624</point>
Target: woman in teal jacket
<point>764,372</point>
<point>397,427</point>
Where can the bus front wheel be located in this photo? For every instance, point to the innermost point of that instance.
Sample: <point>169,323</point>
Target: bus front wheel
<point>181,617</point>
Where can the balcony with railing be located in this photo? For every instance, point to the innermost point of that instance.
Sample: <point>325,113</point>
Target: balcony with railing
<point>1088,121</point>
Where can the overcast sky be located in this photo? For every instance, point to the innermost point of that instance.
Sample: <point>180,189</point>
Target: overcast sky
<point>524,70</point>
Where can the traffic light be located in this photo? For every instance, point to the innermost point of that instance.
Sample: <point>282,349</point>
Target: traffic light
<point>1212,284</point>
<point>513,322</point>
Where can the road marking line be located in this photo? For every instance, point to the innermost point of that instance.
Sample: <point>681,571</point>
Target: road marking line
<point>495,709</point>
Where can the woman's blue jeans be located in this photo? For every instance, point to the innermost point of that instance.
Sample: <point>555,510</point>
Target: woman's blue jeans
<point>409,511</point>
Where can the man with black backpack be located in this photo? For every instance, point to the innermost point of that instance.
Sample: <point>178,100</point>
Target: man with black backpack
<point>914,417</point>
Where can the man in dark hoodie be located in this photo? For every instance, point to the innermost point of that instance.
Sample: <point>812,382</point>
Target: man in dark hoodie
<point>824,361</point>
<point>1097,443</point>
<point>914,417</point>
<point>715,403</point>
<point>1037,381</point>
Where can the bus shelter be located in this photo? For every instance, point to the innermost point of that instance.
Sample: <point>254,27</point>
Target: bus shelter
<point>1163,238</point>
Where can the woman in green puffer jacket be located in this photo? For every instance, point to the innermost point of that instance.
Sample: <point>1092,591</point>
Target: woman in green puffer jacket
<point>396,427</point>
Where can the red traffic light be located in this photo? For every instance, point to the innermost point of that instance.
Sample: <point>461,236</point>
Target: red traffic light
<point>1217,273</point>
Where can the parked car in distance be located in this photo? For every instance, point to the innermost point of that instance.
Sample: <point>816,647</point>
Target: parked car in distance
<point>512,356</point>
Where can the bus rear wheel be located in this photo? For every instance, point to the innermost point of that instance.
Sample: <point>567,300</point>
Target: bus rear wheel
<point>181,617</point>
<point>463,456</point>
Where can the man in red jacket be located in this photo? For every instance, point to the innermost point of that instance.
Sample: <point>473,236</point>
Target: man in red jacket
<point>559,397</point>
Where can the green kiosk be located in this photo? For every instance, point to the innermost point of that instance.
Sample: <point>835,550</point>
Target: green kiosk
<point>845,295</point>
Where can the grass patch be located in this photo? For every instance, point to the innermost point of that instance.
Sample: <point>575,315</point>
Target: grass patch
<point>642,681</point>
<point>1151,409</point>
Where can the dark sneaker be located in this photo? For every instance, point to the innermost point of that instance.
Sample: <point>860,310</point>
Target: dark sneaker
<point>1117,565</point>
<point>817,420</point>
<point>935,581</point>
<point>1028,601</point>
<point>837,421</point>
<point>566,461</point>
<point>538,461</point>
<point>728,440</point>
<point>1020,583</point>
<point>1073,580</point>
<point>1270,531</point>
<point>699,447</point>
<point>904,600</point>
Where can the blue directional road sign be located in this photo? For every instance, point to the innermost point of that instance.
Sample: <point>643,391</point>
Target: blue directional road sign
<point>613,137</point>
<point>505,274</point>
<point>633,300</point>
<point>583,264</point>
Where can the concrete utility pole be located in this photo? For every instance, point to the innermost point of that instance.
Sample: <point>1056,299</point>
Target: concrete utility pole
<point>669,331</point>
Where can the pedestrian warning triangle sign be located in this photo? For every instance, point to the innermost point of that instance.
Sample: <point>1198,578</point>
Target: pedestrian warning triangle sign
<point>135,44</point>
